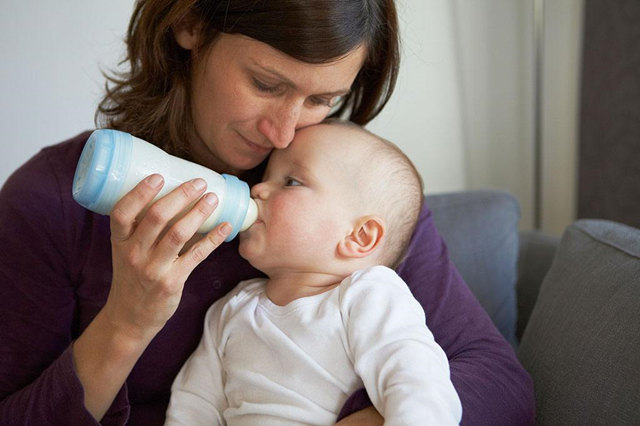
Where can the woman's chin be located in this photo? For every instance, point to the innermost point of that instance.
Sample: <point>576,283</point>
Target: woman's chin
<point>240,166</point>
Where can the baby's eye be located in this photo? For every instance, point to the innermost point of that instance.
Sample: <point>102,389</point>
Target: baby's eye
<point>289,181</point>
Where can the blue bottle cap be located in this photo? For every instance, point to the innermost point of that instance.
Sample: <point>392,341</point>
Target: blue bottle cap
<point>102,169</point>
<point>235,205</point>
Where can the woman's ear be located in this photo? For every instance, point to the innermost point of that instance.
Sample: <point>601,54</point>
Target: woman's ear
<point>187,31</point>
<point>363,239</point>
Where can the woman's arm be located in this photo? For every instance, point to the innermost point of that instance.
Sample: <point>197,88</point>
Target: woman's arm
<point>492,385</point>
<point>38,303</point>
<point>149,272</point>
<point>37,383</point>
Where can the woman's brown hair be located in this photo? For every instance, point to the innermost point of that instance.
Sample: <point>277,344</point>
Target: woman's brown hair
<point>151,98</point>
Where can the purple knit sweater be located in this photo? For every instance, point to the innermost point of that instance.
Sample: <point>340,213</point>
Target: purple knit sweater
<point>55,273</point>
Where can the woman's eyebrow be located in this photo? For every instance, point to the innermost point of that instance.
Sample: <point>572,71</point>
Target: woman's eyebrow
<point>291,84</point>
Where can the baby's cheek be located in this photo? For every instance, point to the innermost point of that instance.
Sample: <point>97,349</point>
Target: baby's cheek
<point>294,217</point>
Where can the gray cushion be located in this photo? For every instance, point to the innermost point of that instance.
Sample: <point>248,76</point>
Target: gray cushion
<point>480,229</point>
<point>582,342</point>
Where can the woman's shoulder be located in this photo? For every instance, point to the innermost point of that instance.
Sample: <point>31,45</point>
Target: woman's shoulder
<point>53,166</point>
<point>38,195</point>
<point>426,248</point>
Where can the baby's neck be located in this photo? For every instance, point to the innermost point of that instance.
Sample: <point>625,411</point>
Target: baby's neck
<point>284,288</point>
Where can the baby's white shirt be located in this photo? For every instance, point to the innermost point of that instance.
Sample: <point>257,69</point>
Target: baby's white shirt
<point>263,364</point>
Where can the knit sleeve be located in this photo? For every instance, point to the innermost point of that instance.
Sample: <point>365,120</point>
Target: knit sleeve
<point>38,383</point>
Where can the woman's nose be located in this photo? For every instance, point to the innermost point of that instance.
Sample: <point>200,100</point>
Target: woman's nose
<point>280,125</point>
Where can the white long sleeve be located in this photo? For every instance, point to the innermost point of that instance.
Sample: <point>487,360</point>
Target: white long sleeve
<point>405,373</point>
<point>263,364</point>
<point>197,393</point>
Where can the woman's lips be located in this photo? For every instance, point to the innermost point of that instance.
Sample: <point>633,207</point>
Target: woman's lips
<point>255,147</point>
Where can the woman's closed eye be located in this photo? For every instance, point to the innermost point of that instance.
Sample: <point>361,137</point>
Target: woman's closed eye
<point>324,101</point>
<point>264,87</point>
<point>275,89</point>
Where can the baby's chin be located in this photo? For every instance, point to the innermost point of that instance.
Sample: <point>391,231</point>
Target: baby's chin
<point>243,250</point>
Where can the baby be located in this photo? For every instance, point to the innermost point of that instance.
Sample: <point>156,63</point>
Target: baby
<point>336,211</point>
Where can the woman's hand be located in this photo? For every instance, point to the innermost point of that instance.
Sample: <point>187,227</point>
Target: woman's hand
<point>151,263</point>
<point>367,416</point>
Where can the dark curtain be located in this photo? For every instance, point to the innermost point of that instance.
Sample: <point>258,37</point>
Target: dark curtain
<point>609,149</point>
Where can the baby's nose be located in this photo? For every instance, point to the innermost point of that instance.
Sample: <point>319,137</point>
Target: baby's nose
<point>258,190</point>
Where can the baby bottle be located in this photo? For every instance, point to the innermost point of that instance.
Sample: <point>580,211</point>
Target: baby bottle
<point>113,162</point>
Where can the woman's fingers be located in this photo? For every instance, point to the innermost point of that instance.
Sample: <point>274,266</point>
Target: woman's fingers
<point>148,272</point>
<point>165,210</point>
<point>124,213</point>
<point>203,248</point>
<point>175,238</point>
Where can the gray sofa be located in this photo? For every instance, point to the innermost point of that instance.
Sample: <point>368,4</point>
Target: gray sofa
<point>570,307</point>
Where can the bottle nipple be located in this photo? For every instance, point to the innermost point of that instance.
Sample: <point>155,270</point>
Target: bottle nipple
<point>252,215</point>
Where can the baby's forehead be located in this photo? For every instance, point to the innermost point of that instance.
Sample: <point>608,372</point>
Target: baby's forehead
<point>346,141</point>
<point>337,148</point>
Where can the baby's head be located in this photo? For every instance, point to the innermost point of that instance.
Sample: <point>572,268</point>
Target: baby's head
<point>338,199</point>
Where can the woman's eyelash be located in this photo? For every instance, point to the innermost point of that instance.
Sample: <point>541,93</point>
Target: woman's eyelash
<point>324,102</point>
<point>264,87</point>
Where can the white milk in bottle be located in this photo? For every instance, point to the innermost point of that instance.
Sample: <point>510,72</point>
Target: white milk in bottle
<point>113,162</point>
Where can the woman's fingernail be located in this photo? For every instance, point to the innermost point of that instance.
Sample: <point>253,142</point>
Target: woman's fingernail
<point>225,228</point>
<point>199,184</point>
<point>210,198</point>
<point>154,180</point>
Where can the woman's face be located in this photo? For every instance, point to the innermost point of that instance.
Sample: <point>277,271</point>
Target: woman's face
<point>248,98</point>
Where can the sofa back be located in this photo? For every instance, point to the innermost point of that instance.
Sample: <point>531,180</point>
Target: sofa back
<point>480,229</point>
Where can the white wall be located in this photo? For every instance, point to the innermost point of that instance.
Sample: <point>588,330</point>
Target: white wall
<point>463,109</point>
<point>560,105</point>
<point>425,115</point>
<point>50,76</point>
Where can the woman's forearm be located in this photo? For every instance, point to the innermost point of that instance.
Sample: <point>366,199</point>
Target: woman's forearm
<point>103,357</point>
<point>150,266</point>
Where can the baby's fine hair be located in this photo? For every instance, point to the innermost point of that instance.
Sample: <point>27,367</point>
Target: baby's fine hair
<point>391,184</point>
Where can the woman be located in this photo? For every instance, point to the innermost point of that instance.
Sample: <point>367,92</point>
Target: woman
<point>99,314</point>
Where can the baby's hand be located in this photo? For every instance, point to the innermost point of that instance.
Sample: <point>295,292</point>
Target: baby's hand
<point>365,417</point>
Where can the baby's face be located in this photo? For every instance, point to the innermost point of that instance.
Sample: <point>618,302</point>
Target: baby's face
<point>305,203</point>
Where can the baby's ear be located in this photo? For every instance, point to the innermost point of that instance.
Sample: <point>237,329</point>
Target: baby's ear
<point>187,31</point>
<point>364,239</point>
